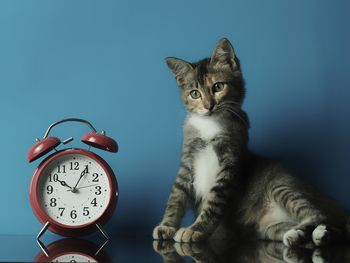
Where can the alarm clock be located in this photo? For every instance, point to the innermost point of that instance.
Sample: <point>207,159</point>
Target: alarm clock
<point>73,191</point>
<point>72,250</point>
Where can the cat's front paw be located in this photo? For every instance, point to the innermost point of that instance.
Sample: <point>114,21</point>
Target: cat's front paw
<point>163,232</point>
<point>294,237</point>
<point>188,235</point>
<point>321,235</point>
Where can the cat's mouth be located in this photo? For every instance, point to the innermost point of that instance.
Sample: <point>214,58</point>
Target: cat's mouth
<point>206,112</point>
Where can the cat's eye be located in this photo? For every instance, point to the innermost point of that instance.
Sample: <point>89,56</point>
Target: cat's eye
<point>217,87</point>
<point>195,94</point>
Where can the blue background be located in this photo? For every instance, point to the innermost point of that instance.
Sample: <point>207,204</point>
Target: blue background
<point>104,61</point>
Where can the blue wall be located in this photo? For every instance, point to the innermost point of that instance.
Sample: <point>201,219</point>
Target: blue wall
<point>103,61</point>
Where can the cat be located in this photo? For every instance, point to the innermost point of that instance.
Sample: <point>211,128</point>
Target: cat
<point>232,190</point>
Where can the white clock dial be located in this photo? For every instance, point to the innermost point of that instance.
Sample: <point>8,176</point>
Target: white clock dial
<point>74,190</point>
<point>73,258</point>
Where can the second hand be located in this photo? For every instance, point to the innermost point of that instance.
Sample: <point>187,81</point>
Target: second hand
<point>86,186</point>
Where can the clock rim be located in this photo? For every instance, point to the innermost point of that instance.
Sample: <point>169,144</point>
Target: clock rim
<point>66,230</point>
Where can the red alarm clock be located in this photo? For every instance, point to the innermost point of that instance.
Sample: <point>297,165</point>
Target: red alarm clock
<point>73,192</point>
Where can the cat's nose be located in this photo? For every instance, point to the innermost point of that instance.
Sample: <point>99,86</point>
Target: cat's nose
<point>210,106</point>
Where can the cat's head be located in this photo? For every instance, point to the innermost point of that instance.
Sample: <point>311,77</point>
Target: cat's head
<point>211,84</point>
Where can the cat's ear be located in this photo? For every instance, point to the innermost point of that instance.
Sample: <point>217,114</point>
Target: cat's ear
<point>224,55</point>
<point>178,66</point>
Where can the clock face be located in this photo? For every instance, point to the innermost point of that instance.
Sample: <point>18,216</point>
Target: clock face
<point>74,190</point>
<point>73,258</point>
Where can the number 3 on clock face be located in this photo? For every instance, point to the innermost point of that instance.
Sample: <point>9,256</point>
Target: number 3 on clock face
<point>74,189</point>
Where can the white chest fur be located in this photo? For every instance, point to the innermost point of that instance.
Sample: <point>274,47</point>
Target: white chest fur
<point>206,163</point>
<point>207,126</point>
<point>206,167</point>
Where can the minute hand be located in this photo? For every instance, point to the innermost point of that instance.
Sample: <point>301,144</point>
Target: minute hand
<point>81,176</point>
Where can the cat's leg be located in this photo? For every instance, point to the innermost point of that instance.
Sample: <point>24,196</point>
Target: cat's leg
<point>178,202</point>
<point>211,213</point>
<point>276,232</point>
<point>288,232</point>
<point>312,230</point>
<point>301,210</point>
<point>216,202</point>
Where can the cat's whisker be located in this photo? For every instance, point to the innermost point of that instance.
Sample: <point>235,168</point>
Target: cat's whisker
<point>224,106</point>
<point>228,105</point>
<point>230,102</point>
<point>235,113</point>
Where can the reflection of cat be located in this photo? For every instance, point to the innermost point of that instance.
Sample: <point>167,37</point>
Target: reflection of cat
<point>254,252</point>
<point>223,181</point>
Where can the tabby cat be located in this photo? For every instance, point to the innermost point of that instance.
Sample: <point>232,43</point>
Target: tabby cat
<point>232,190</point>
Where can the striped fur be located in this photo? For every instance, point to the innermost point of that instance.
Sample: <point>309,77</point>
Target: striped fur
<point>226,184</point>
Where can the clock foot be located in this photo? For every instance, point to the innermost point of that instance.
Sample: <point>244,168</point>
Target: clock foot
<point>40,244</point>
<point>43,230</point>
<point>104,233</point>
<point>46,226</point>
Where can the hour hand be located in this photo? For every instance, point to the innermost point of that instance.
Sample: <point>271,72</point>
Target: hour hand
<point>63,183</point>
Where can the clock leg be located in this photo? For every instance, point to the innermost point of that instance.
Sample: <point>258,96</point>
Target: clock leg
<point>104,233</point>
<point>43,230</point>
<point>40,244</point>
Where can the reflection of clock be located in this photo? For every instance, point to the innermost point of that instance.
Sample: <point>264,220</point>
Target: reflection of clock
<point>73,258</point>
<point>72,250</point>
<point>73,191</point>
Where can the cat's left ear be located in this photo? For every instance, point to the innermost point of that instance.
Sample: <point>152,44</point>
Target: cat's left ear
<point>224,55</point>
<point>178,66</point>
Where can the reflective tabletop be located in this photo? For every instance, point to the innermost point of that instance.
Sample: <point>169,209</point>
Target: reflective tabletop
<point>144,249</point>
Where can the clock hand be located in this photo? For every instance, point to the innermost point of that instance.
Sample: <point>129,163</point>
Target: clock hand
<point>83,187</point>
<point>85,171</point>
<point>63,183</point>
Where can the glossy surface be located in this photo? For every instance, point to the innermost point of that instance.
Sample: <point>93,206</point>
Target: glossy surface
<point>143,249</point>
